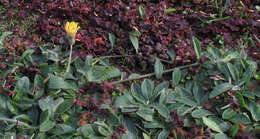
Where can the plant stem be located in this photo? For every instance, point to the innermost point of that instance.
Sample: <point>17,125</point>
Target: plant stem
<point>68,66</point>
<point>152,74</point>
<point>15,121</point>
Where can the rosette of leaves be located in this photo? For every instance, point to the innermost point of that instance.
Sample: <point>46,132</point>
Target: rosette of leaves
<point>229,89</point>
<point>41,104</point>
<point>145,110</point>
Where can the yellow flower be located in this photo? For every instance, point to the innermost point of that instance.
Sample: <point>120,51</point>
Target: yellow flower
<point>71,28</point>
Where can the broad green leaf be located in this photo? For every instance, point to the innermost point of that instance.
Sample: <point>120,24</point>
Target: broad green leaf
<point>215,124</point>
<point>135,33</point>
<point>183,110</point>
<point>234,130</point>
<point>254,109</point>
<point>49,104</point>
<point>104,131</point>
<point>142,11</point>
<point>147,87</point>
<point>217,90</point>
<point>61,129</point>
<point>86,130</point>
<point>172,54</point>
<point>233,71</point>
<point>112,39</point>
<point>101,73</point>
<point>137,93</point>
<point>23,117</point>
<point>47,125</point>
<point>131,131</point>
<point>221,136</point>
<point>134,42</point>
<point>134,75</point>
<point>162,110</point>
<point>176,76</point>
<point>240,99</point>
<point>145,113</point>
<point>228,114</point>
<point>56,82</point>
<point>64,106</point>
<point>124,100</point>
<point>113,119</point>
<point>154,124</point>
<point>3,36</point>
<point>250,71</point>
<point>240,118</point>
<point>158,68</point>
<point>214,53</point>
<point>196,45</point>
<point>169,10</point>
<point>185,97</point>
<point>163,134</point>
<point>11,108</point>
<point>158,89</point>
<point>199,113</point>
<point>23,85</point>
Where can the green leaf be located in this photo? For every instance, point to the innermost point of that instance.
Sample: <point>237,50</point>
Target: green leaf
<point>134,42</point>
<point>158,89</point>
<point>217,90</point>
<point>254,109</point>
<point>145,113</point>
<point>23,85</point>
<point>86,130</point>
<point>135,33</point>
<point>163,134</point>
<point>64,106</point>
<point>49,104</point>
<point>199,113</point>
<point>185,97</point>
<point>61,129</point>
<point>137,93</point>
<point>133,75</point>
<point>183,110</point>
<point>147,87</point>
<point>221,136</point>
<point>153,124</point>
<point>47,125</point>
<point>162,110</point>
<point>131,131</point>
<point>233,71</point>
<point>23,117</point>
<point>240,99</point>
<point>158,68</point>
<point>169,10</point>
<point>176,76</point>
<point>104,131</point>
<point>215,124</point>
<point>3,36</point>
<point>112,39</point>
<point>56,82</point>
<point>228,114</point>
<point>234,130</point>
<point>250,71</point>
<point>172,54</point>
<point>240,118</point>
<point>142,11</point>
<point>11,108</point>
<point>196,45</point>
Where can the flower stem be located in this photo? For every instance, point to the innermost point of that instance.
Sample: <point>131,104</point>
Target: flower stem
<point>68,66</point>
<point>152,74</point>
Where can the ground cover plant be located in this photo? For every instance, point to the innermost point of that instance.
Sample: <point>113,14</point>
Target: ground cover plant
<point>151,69</point>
